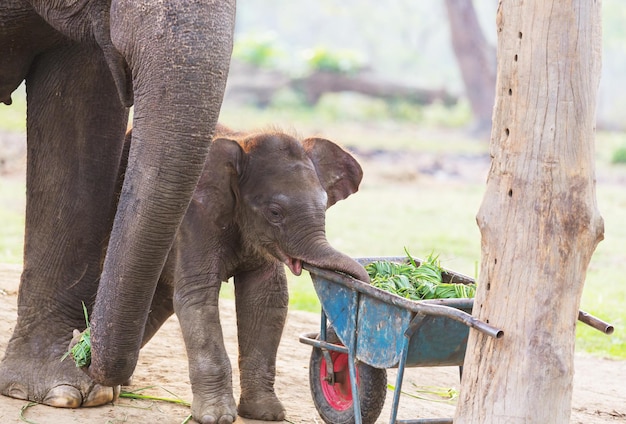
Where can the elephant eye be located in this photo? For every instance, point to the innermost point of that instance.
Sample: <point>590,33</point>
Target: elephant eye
<point>274,213</point>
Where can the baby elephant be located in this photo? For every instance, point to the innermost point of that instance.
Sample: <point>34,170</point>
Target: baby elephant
<point>260,204</point>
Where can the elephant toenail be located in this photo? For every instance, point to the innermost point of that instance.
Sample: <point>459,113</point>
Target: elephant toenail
<point>17,392</point>
<point>99,395</point>
<point>226,419</point>
<point>64,397</point>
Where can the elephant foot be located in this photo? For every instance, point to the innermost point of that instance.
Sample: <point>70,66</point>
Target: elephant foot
<point>220,410</point>
<point>264,407</point>
<point>52,382</point>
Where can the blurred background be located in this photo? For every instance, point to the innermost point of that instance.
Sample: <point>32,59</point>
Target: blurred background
<point>408,88</point>
<point>412,45</point>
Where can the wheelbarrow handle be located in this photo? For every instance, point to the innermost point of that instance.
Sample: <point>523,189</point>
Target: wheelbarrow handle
<point>441,310</point>
<point>596,323</point>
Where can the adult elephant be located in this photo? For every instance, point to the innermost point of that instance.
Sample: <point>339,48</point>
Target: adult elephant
<point>85,62</point>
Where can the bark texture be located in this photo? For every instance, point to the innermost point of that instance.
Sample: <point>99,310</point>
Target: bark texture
<point>539,220</point>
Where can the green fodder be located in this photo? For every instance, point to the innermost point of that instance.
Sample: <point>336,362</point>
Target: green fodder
<point>81,351</point>
<point>416,282</point>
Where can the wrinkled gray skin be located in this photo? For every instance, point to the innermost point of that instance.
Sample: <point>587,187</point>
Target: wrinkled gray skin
<point>260,203</point>
<point>84,63</point>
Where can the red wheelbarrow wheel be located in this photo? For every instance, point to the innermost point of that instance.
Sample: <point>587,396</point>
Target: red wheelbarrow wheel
<point>334,401</point>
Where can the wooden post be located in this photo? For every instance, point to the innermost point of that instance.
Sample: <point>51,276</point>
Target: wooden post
<point>539,220</point>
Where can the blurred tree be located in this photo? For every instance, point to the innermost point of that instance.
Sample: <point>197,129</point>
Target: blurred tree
<point>539,220</point>
<point>476,59</point>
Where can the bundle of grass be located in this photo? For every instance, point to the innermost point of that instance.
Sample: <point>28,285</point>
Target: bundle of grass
<point>416,282</point>
<point>81,351</point>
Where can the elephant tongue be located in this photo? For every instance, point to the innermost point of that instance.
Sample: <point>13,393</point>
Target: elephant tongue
<point>295,265</point>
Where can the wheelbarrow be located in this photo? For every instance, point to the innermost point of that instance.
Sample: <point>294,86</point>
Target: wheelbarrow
<point>365,330</point>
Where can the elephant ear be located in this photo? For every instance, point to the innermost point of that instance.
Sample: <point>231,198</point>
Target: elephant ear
<point>218,187</point>
<point>339,173</point>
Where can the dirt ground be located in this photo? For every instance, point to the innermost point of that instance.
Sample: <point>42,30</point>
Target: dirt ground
<point>598,383</point>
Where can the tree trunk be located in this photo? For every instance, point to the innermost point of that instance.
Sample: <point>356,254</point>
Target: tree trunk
<point>539,220</point>
<point>476,60</point>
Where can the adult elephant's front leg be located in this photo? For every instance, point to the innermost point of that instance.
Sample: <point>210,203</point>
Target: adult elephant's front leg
<point>210,373</point>
<point>262,299</point>
<point>75,129</point>
<point>178,53</point>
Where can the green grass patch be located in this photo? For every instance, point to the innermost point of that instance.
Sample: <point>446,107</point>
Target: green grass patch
<point>430,393</point>
<point>139,395</point>
<point>619,156</point>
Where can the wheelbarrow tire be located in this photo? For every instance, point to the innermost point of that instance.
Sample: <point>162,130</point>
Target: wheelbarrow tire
<point>334,403</point>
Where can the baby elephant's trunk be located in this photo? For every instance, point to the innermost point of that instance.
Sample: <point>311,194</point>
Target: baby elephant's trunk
<point>336,261</point>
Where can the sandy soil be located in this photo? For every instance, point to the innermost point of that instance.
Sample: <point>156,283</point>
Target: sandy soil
<point>598,384</point>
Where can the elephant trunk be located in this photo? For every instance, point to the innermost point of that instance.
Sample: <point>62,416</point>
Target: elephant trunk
<point>179,58</point>
<point>325,256</point>
<point>345,264</point>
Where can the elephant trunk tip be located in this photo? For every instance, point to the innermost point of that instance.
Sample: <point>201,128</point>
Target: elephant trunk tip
<point>363,275</point>
<point>106,379</point>
<point>357,272</point>
<point>348,266</point>
<point>111,368</point>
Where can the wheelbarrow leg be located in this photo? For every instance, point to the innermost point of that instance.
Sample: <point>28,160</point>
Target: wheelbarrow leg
<point>356,399</point>
<point>399,377</point>
<point>354,384</point>
<point>398,389</point>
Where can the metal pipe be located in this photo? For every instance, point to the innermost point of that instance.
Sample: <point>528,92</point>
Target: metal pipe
<point>399,377</point>
<point>596,323</point>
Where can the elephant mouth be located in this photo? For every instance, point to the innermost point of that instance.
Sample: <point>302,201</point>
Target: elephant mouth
<point>295,265</point>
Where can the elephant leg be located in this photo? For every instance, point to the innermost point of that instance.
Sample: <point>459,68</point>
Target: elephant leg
<point>196,305</point>
<point>262,299</point>
<point>75,127</point>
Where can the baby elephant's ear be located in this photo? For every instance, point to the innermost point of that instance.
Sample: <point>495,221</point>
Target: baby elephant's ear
<point>339,173</point>
<point>219,183</point>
